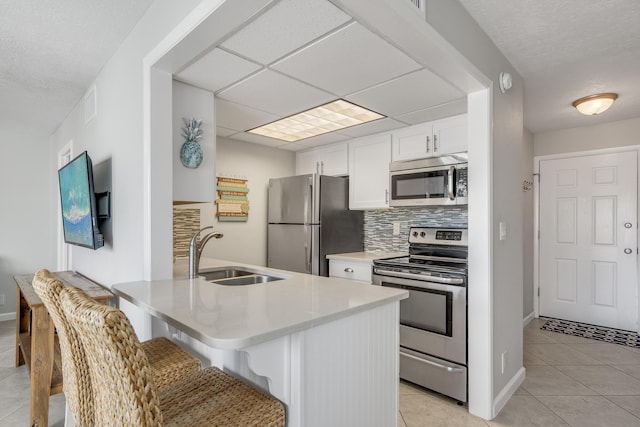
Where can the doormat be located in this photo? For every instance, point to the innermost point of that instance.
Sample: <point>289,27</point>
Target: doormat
<point>600,333</point>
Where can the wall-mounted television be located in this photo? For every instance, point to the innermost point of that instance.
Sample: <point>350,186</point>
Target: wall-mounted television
<point>78,202</point>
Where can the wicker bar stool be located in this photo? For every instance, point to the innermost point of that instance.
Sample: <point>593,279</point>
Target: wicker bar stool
<point>124,390</point>
<point>169,363</point>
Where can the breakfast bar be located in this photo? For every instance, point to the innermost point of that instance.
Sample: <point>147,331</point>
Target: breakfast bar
<point>328,347</point>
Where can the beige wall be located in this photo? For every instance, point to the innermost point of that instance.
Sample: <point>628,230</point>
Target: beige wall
<point>605,135</point>
<point>246,241</point>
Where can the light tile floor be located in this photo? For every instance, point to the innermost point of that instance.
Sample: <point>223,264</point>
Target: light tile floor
<point>570,381</point>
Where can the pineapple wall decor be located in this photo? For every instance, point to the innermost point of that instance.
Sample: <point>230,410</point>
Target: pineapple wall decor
<point>191,152</point>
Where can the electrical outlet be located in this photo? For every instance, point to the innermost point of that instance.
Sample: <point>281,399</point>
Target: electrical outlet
<point>504,360</point>
<point>396,228</point>
<point>1,299</point>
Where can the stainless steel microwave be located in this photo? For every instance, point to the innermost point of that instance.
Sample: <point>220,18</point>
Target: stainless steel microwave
<point>431,181</point>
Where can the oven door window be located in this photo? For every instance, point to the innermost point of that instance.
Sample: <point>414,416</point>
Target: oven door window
<point>420,185</point>
<point>426,309</point>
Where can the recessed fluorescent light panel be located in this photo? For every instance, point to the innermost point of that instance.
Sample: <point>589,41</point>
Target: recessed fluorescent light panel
<point>329,117</point>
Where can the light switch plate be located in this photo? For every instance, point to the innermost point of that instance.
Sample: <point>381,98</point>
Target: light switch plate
<point>503,230</point>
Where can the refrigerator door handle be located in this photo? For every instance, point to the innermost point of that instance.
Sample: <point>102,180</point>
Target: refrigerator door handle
<point>307,256</point>
<point>308,202</point>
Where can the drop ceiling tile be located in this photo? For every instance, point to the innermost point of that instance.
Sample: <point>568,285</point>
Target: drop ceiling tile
<point>327,138</point>
<point>257,139</point>
<point>287,26</point>
<point>216,70</point>
<point>434,113</point>
<point>347,61</point>
<point>238,117</point>
<point>411,92</point>
<point>275,93</point>
<point>224,132</point>
<point>370,128</point>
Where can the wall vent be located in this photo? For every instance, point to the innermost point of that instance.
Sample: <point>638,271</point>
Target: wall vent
<point>90,104</point>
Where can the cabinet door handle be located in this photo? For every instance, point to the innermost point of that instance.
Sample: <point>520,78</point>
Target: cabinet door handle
<point>348,270</point>
<point>428,147</point>
<point>322,167</point>
<point>386,196</point>
<point>435,143</point>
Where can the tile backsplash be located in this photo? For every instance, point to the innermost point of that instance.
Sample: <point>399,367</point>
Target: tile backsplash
<point>185,223</point>
<point>378,225</point>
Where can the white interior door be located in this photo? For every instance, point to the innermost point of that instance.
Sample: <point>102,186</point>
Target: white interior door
<point>588,239</point>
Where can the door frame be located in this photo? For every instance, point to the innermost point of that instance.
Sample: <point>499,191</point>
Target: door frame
<point>536,212</point>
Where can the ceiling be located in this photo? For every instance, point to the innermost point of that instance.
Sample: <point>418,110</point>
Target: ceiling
<point>299,54</point>
<point>52,51</point>
<point>567,49</point>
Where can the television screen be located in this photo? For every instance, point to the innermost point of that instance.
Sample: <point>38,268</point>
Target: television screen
<point>78,202</point>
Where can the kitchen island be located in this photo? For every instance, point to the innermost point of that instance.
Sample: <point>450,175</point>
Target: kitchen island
<point>326,347</point>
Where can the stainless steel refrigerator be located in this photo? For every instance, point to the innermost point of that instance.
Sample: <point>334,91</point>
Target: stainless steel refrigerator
<point>309,218</point>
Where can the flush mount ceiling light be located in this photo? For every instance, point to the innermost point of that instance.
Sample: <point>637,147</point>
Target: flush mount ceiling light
<point>595,104</point>
<point>335,115</point>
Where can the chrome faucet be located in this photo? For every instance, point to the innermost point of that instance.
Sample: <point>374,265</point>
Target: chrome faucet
<point>195,250</point>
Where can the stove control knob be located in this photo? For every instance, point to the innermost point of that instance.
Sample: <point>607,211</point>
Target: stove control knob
<point>422,234</point>
<point>415,234</point>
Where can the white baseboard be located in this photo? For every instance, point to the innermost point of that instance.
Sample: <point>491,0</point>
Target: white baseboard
<point>508,391</point>
<point>7,316</point>
<point>528,319</point>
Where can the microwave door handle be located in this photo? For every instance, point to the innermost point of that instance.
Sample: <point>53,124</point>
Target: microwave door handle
<point>452,195</point>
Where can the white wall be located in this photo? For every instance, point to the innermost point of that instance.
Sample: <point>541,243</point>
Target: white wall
<point>195,185</point>
<point>116,134</point>
<point>502,302</point>
<point>246,241</point>
<point>28,210</point>
<point>605,135</point>
<point>527,226</point>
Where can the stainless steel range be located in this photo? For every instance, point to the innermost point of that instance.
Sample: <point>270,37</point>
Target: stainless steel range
<point>433,320</point>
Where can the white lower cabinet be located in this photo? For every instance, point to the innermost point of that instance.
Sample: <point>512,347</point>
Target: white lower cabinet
<point>369,159</point>
<point>352,270</point>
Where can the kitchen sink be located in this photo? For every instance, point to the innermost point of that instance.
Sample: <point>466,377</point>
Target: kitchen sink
<point>236,276</point>
<point>248,280</point>
<point>224,273</point>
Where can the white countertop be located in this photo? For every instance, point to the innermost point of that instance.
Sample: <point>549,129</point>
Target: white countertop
<point>234,317</point>
<point>365,256</point>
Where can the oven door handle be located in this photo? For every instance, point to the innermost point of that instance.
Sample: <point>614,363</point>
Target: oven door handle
<point>439,258</point>
<point>420,277</point>
<point>434,364</point>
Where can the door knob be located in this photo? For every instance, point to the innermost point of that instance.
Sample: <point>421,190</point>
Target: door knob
<point>627,251</point>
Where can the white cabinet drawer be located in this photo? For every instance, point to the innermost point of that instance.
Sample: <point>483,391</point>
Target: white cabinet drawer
<point>352,270</point>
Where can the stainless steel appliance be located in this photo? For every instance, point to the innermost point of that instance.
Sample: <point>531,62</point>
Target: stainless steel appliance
<point>431,181</point>
<point>309,218</point>
<point>433,320</point>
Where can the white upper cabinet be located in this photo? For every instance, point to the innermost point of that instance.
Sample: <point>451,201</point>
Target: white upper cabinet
<point>327,160</point>
<point>369,159</point>
<point>430,139</point>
